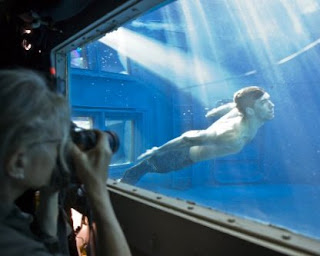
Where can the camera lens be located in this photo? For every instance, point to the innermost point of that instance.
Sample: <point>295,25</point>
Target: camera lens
<point>114,141</point>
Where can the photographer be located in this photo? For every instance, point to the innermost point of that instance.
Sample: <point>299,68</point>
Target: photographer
<point>34,135</point>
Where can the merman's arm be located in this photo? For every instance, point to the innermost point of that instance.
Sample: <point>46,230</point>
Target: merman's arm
<point>221,110</point>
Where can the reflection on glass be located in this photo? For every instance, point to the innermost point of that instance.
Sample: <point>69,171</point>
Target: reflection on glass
<point>79,58</point>
<point>188,58</point>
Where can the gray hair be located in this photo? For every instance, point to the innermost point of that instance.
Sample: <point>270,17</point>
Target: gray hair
<point>30,112</point>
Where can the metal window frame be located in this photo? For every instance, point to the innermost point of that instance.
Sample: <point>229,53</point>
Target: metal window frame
<point>239,234</point>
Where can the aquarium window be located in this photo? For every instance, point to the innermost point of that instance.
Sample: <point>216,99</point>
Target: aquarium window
<point>163,73</point>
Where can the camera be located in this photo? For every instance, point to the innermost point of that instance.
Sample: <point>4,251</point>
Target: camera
<point>87,139</point>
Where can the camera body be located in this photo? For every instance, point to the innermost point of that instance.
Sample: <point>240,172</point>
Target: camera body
<point>87,139</point>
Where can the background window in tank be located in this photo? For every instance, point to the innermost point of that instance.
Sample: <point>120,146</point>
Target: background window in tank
<point>84,122</point>
<point>125,131</point>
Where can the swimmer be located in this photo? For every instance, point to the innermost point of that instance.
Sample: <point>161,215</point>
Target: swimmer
<point>241,120</point>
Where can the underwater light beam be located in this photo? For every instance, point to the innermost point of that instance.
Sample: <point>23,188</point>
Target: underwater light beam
<point>304,49</point>
<point>202,43</point>
<point>166,61</point>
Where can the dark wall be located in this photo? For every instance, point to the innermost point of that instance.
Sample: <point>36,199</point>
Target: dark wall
<point>58,20</point>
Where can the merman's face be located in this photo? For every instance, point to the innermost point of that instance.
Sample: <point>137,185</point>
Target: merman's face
<point>264,108</point>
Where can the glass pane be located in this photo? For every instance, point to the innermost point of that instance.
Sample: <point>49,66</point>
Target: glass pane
<point>256,155</point>
<point>112,61</point>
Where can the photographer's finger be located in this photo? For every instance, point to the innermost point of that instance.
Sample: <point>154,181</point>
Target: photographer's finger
<point>102,151</point>
<point>80,161</point>
<point>84,166</point>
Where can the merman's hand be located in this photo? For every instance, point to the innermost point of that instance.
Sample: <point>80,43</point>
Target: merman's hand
<point>148,153</point>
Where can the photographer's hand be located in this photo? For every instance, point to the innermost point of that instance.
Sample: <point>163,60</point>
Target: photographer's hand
<point>92,165</point>
<point>92,168</point>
